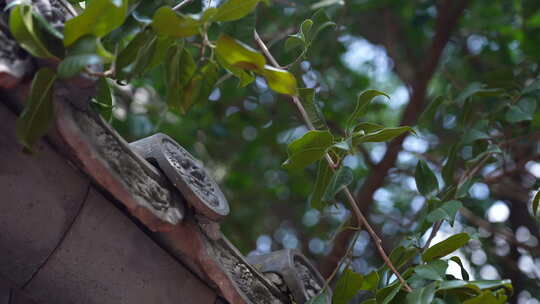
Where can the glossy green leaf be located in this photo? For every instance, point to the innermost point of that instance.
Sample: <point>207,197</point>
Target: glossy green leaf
<point>162,45</point>
<point>383,135</point>
<point>126,59</point>
<point>423,295</point>
<point>79,55</point>
<point>234,9</point>
<point>347,286</point>
<point>169,23</point>
<point>522,111</point>
<point>401,255</point>
<point>387,294</point>
<point>38,113</point>
<point>476,88</point>
<point>536,203</point>
<point>51,38</point>
<point>449,168</point>
<point>308,149</point>
<point>199,87</point>
<point>73,65</point>
<point>463,189</point>
<point>173,76</point>
<point>21,25</point>
<point>446,247</point>
<point>370,282</point>
<point>280,80</point>
<point>477,286</point>
<point>534,86</point>
<point>324,175</point>
<point>321,21</point>
<point>294,41</point>
<point>244,77</point>
<point>99,18</point>
<point>488,297</point>
<point>426,181</point>
<point>433,270</point>
<point>368,127</point>
<point>464,273</point>
<point>361,106</point>
<point>341,178</point>
<point>445,212</point>
<point>426,118</point>
<point>237,54</point>
<point>307,96</point>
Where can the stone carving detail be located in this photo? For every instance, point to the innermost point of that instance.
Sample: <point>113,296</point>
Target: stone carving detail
<point>186,173</point>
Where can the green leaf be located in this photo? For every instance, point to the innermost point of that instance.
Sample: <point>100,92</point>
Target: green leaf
<point>200,86</point>
<point>361,106</point>
<point>280,80</point>
<point>536,202</point>
<point>488,297</point>
<point>52,39</point>
<point>464,273</point>
<point>370,282</point>
<point>244,77</point>
<point>307,96</point>
<point>446,247</point>
<point>38,113</point>
<point>234,10</point>
<point>99,18</point>
<point>446,212</point>
<point>400,256</point>
<point>169,23</point>
<point>426,181</point>
<point>104,98</point>
<point>324,175</point>
<point>293,42</point>
<point>383,135</point>
<point>126,59</point>
<point>476,88</point>
<point>428,115</point>
<point>21,25</point>
<point>423,295</point>
<point>342,178</point>
<point>522,111</point>
<point>347,286</point>
<point>72,65</point>
<point>464,188</point>
<point>368,127</point>
<point>308,149</point>
<point>534,86</point>
<point>321,21</point>
<point>449,167</point>
<point>477,286</point>
<point>434,270</point>
<point>237,54</point>
<point>162,45</point>
<point>79,55</point>
<point>385,295</point>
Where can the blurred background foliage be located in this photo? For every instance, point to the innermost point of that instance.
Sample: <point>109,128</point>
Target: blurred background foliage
<point>485,75</point>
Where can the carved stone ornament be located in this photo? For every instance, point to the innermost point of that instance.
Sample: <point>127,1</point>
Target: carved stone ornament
<point>300,276</point>
<point>186,173</point>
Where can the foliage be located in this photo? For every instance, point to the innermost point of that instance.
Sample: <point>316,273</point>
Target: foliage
<point>475,128</point>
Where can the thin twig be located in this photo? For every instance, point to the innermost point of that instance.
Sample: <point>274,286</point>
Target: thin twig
<point>265,49</point>
<point>361,219</point>
<point>182,4</point>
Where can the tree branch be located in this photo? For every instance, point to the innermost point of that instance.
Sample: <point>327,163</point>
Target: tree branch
<point>448,16</point>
